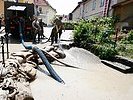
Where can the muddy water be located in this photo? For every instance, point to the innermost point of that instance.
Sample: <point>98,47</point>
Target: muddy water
<point>94,81</point>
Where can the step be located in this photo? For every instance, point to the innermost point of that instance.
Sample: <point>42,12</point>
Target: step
<point>124,60</point>
<point>118,66</point>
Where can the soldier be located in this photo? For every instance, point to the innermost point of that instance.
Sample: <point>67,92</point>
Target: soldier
<point>60,26</point>
<point>57,30</point>
<point>42,30</point>
<point>36,28</point>
<point>7,25</point>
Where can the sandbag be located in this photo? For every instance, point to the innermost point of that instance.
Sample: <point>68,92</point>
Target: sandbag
<point>30,70</point>
<point>24,91</point>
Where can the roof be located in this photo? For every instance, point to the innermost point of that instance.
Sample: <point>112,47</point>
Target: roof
<point>123,3</point>
<point>40,2</point>
<point>77,6</point>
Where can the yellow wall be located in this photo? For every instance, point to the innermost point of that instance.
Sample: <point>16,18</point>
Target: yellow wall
<point>23,1</point>
<point>31,1</point>
<point>124,11</point>
<point>1,7</point>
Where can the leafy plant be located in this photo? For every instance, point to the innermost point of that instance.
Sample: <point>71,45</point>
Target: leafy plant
<point>104,51</point>
<point>69,25</point>
<point>96,31</point>
<point>130,37</point>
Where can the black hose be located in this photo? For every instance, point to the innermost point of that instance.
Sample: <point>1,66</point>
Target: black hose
<point>48,39</point>
<point>47,64</point>
<point>42,56</point>
<point>22,41</point>
<point>60,61</point>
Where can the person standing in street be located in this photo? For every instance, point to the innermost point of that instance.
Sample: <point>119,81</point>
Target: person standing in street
<point>42,30</point>
<point>57,30</point>
<point>36,29</point>
<point>54,33</point>
<point>7,25</point>
<point>60,27</point>
<point>22,22</point>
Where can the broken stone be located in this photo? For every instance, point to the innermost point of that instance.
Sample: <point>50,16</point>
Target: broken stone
<point>49,48</point>
<point>21,54</point>
<point>60,53</point>
<point>20,59</point>
<point>24,92</point>
<point>30,71</point>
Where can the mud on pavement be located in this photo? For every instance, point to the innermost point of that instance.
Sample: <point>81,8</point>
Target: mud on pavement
<point>94,81</point>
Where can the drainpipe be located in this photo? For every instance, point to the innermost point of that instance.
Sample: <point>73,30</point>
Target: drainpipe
<point>108,8</point>
<point>105,8</point>
<point>83,10</point>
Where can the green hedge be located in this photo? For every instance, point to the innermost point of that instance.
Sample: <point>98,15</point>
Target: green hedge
<point>96,33</point>
<point>69,25</point>
<point>104,51</point>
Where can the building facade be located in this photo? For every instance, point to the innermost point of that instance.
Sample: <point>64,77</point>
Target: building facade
<point>124,10</point>
<point>93,8</point>
<point>42,9</point>
<point>26,1</point>
<point>86,9</point>
<point>77,13</point>
<point>45,11</point>
<point>20,1</point>
<point>1,8</point>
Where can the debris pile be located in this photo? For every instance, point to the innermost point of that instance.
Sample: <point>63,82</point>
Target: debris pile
<point>19,70</point>
<point>53,51</point>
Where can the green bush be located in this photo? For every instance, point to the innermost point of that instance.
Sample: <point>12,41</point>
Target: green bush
<point>96,31</point>
<point>69,25</point>
<point>104,51</point>
<point>82,33</point>
<point>130,37</point>
<point>125,50</point>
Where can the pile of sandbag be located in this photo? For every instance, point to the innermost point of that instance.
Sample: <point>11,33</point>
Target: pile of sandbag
<point>53,51</point>
<point>20,70</point>
<point>15,77</point>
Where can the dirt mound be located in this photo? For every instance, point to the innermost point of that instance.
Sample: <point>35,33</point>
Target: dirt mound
<point>80,58</point>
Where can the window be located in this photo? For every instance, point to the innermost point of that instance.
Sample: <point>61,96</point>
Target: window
<point>80,11</point>
<point>94,5</point>
<point>86,9</point>
<point>101,3</point>
<point>40,10</point>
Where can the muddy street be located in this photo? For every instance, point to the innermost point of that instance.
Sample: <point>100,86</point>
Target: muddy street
<point>90,80</point>
<point>93,81</point>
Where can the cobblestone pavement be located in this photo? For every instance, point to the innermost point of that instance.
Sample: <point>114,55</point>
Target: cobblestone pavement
<point>94,81</point>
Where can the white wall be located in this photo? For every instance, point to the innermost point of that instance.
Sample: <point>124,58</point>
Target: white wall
<point>47,14</point>
<point>89,12</point>
<point>76,14</point>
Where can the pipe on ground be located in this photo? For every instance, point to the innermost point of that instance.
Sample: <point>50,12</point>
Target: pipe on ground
<point>43,57</point>
<point>47,64</point>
